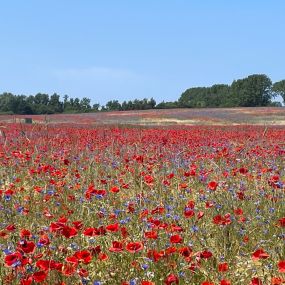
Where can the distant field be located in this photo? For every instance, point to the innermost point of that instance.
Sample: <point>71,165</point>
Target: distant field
<point>213,116</point>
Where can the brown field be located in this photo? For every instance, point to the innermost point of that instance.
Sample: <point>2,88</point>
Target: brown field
<point>209,116</point>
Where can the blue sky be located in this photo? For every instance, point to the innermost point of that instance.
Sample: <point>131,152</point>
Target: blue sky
<point>126,49</point>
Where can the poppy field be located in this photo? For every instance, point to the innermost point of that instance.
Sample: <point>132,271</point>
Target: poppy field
<point>141,206</point>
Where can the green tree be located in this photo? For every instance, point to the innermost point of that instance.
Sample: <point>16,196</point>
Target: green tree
<point>85,104</point>
<point>113,105</point>
<point>76,104</point>
<point>55,104</point>
<point>167,105</point>
<point>7,102</point>
<point>96,107</point>
<point>41,98</point>
<point>255,90</point>
<point>279,89</point>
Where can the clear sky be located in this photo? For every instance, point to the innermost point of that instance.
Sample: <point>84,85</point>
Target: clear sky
<point>126,49</point>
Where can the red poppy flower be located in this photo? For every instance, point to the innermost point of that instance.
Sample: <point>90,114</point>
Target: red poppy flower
<point>69,232</point>
<point>103,256</point>
<point>256,281</point>
<point>113,227</point>
<point>84,256</point>
<point>95,250</point>
<point>190,204</point>
<point>13,258</point>
<point>72,259</point>
<point>170,250</point>
<point>238,211</point>
<point>158,210</point>
<point>260,254</point>
<point>206,254</point>
<point>209,204</point>
<point>117,246</point>
<point>243,170</point>
<point>39,276</point>
<point>11,228</point>
<point>27,281</point>
<point>49,265</point>
<point>4,234</point>
<point>170,176</point>
<point>134,247</point>
<point>147,283</point>
<point>207,283</point>
<point>44,240</point>
<point>223,267</point>
<point>176,239</point>
<point>281,266</point>
<point>78,224</point>
<point>27,246</point>
<point>25,233</point>
<point>124,232</point>
<point>148,179</point>
<point>171,279</point>
<point>200,215</point>
<point>185,251</point>
<point>115,189</point>
<point>281,222</point>
<point>188,213</point>
<point>151,235</point>
<point>89,232</point>
<point>83,272</point>
<point>277,281</point>
<point>212,185</point>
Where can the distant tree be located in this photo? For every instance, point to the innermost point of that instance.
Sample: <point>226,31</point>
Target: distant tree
<point>167,105</point>
<point>66,103</point>
<point>76,105</point>
<point>30,100</point>
<point>7,102</point>
<point>255,90</point>
<point>194,97</point>
<point>152,103</point>
<point>42,99</point>
<point>279,89</point>
<point>85,104</point>
<point>96,107</point>
<point>55,104</point>
<point>113,105</point>
<point>124,106</point>
<point>130,105</point>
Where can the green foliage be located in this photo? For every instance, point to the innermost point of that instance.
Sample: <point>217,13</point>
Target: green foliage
<point>253,91</point>
<point>279,89</point>
<point>43,104</point>
<point>136,104</point>
<point>167,105</point>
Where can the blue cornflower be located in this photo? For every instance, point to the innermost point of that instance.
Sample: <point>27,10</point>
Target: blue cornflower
<point>195,228</point>
<point>145,266</point>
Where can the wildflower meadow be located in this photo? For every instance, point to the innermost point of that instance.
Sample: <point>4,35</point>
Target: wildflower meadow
<point>168,205</point>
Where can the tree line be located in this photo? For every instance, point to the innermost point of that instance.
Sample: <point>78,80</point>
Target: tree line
<point>253,91</point>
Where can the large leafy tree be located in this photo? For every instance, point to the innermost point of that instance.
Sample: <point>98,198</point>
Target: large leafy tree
<point>85,104</point>
<point>55,103</point>
<point>279,89</point>
<point>113,105</point>
<point>254,90</point>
